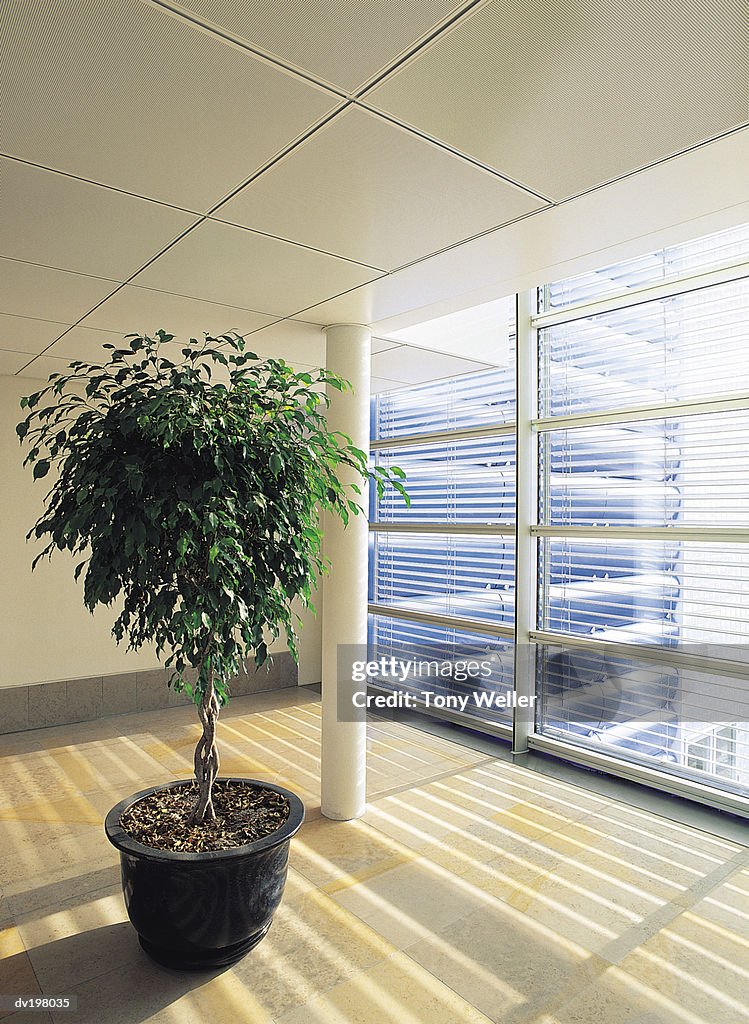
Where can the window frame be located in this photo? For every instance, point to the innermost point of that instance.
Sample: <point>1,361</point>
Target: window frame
<point>529,427</point>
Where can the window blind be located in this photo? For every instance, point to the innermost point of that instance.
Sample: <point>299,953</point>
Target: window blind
<point>682,471</point>
<point>673,476</point>
<point>687,347</point>
<point>460,576</point>
<point>688,721</point>
<point>699,255</point>
<point>434,652</point>
<point>458,403</point>
<point>460,481</point>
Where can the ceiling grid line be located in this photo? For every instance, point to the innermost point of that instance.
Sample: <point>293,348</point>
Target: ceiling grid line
<point>98,184</point>
<point>426,137</point>
<point>231,38</point>
<point>63,270</point>
<point>202,219</point>
<point>367,157</point>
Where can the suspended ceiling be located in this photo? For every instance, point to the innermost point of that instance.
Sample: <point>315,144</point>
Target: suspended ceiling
<point>270,168</point>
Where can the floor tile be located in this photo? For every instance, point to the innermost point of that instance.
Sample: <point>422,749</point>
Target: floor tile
<point>396,991</point>
<point>17,975</point>
<point>696,964</point>
<point>80,939</point>
<point>618,998</point>
<point>39,854</point>
<point>409,900</point>
<point>313,945</point>
<point>726,906</point>
<point>503,964</point>
<point>327,850</point>
<point>473,889</point>
<point>144,991</point>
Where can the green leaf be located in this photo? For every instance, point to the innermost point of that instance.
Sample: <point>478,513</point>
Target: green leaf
<point>22,430</point>
<point>196,506</point>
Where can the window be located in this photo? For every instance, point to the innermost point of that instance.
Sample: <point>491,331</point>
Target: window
<point>608,573</point>
<point>643,539</point>
<point>442,572</point>
<point>714,752</point>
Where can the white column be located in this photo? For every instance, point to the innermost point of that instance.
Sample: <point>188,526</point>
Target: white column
<point>345,589</point>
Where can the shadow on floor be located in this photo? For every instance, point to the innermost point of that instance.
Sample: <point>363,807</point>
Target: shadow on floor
<point>123,986</point>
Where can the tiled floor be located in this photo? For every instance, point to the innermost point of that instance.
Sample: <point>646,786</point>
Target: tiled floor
<point>473,889</point>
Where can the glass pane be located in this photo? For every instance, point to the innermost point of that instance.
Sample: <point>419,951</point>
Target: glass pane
<point>470,481</point>
<point>699,755</point>
<point>689,471</point>
<point>688,722</point>
<point>437,661</point>
<point>649,592</point>
<point>693,257</point>
<point>471,400</point>
<point>465,577</point>
<point>675,349</point>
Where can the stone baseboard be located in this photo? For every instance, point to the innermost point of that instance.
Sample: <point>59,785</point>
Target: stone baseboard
<point>39,705</point>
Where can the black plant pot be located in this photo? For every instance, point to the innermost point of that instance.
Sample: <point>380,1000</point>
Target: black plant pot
<point>198,911</point>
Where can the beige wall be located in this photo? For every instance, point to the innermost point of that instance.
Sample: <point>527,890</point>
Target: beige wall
<point>46,633</point>
<point>310,644</point>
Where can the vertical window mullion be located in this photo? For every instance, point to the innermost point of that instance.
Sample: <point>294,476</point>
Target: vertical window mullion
<point>526,496</point>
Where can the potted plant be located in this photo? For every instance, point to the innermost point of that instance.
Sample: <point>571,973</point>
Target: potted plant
<point>191,486</point>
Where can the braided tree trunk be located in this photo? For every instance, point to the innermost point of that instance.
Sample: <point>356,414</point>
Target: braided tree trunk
<point>206,754</point>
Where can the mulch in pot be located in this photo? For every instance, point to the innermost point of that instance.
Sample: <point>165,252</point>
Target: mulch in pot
<point>244,814</point>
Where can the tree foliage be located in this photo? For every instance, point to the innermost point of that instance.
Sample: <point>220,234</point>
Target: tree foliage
<point>194,501</point>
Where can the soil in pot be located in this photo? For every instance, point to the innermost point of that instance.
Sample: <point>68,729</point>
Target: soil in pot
<point>244,814</point>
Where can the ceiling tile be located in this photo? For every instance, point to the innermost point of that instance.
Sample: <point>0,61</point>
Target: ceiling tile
<point>234,266</point>
<point>297,343</point>
<point>128,95</point>
<point>72,225</point>
<point>414,366</point>
<point>365,189</point>
<point>39,292</point>
<point>485,332</point>
<point>141,310</point>
<point>357,306</point>
<point>85,343</point>
<point>341,42</point>
<point>11,362</point>
<point>377,385</point>
<point>22,334</point>
<point>43,366</point>
<point>382,345</point>
<point>563,96</point>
